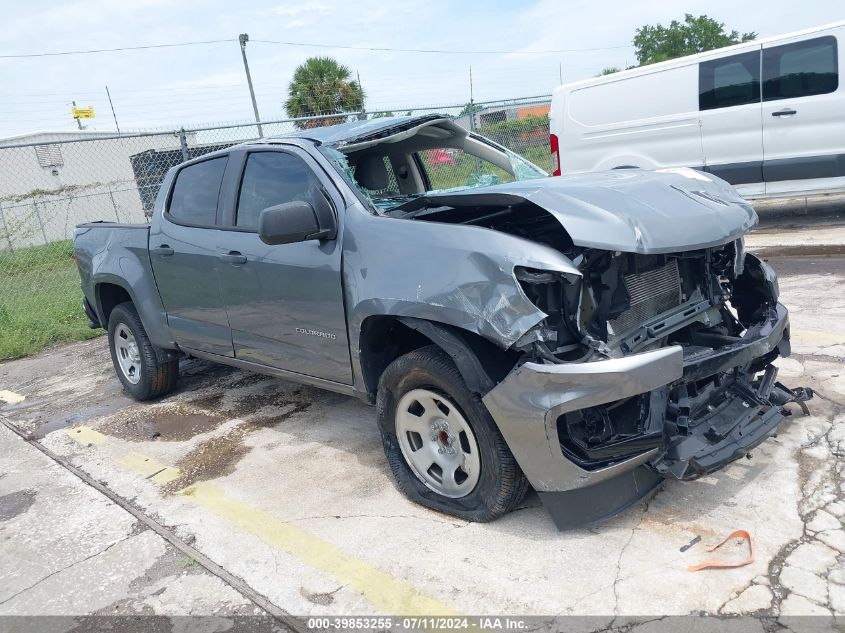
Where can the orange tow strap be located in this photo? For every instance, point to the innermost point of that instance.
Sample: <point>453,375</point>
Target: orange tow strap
<point>717,564</point>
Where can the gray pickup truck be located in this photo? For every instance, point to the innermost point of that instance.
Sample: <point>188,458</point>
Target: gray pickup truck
<point>588,336</point>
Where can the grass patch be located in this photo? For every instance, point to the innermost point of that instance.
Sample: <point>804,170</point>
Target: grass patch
<point>40,300</point>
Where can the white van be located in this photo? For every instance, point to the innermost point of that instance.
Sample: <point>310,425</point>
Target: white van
<point>767,116</point>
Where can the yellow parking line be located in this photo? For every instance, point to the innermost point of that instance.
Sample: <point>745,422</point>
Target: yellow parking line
<point>149,468</point>
<point>10,397</point>
<point>814,337</point>
<point>85,435</point>
<point>389,594</point>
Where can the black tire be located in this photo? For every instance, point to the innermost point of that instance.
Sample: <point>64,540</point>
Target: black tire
<point>154,379</point>
<point>501,484</point>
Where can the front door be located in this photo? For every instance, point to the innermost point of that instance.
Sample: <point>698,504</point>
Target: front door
<point>285,302</point>
<point>184,257</point>
<point>803,120</point>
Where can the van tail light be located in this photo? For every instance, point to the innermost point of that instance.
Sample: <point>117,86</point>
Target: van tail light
<point>555,154</point>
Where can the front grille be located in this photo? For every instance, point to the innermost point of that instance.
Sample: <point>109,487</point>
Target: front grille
<point>651,293</point>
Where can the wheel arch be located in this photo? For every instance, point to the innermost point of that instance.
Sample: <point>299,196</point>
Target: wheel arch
<point>110,292</point>
<point>109,295</point>
<point>384,338</point>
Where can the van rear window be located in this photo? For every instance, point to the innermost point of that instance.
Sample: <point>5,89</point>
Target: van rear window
<point>800,69</point>
<point>729,81</point>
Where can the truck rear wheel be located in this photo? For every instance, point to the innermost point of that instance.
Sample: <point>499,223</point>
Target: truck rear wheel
<point>134,357</point>
<point>443,447</point>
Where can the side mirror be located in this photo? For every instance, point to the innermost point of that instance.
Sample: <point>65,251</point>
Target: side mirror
<point>296,222</point>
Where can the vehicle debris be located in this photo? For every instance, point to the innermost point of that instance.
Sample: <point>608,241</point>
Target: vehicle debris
<point>697,539</point>
<point>718,564</point>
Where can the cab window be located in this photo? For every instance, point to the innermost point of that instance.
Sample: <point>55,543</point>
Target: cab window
<point>272,178</point>
<point>193,200</point>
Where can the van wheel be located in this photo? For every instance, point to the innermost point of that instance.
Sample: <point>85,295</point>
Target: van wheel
<point>134,357</point>
<point>443,447</point>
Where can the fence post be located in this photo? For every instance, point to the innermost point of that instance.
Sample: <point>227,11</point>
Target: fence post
<point>183,141</point>
<point>113,204</point>
<point>6,229</point>
<point>40,223</point>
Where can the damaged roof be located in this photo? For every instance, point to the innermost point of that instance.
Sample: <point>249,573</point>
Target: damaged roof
<point>357,131</point>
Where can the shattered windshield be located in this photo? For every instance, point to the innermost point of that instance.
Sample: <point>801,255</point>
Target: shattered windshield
<point>389,173</point>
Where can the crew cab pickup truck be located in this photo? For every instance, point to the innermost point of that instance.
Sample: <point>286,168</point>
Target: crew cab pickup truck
<point>586,335</point>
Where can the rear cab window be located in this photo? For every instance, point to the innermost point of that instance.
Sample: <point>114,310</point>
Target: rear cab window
<point>800,69</point>
<point>193,200</point>
<point>729,81</point>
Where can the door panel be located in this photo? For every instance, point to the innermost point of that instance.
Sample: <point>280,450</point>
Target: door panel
<point>285,302</point>
<point>285,306</point>
<point>184,260</point>
<point>803,126</point>
<point>730,111</point>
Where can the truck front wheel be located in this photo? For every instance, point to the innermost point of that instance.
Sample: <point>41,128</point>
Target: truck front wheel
<point>443,447</point>
<point>134,356</point>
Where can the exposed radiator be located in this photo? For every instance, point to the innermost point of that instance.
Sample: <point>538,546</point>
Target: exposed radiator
<point>652,292</point>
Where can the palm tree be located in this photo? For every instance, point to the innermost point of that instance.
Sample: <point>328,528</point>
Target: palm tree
<point>321,85</point>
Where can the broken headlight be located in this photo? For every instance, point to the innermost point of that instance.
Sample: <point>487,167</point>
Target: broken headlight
<point>558,295</point>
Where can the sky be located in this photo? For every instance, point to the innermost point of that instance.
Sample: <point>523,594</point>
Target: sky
<point>167,88</point>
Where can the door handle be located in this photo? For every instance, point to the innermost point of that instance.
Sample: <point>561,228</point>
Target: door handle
<point>233,257</point>
<point>164,250</point>
<point>785,112</point>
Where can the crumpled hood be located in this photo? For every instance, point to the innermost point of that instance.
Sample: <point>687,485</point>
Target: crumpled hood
<point>627,210</point>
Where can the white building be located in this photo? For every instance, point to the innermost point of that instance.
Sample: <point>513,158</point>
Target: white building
<point>52,181</point>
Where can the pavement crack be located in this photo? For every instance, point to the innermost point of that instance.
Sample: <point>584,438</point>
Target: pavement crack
<point>617,578</point>
<point>65,568</point>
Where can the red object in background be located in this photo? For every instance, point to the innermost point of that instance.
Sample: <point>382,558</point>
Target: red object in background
<point>555,154</point>
<point>441,157</point>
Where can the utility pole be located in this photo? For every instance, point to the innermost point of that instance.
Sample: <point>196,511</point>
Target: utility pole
<point>243,38</point>
<point>78,120</point>
<point>363,115</point>
<point>471,105</point>
<point>560,72</point>
<point>112,110</point>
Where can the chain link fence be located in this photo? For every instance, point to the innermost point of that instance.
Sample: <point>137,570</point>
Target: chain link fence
<point>50,182</point>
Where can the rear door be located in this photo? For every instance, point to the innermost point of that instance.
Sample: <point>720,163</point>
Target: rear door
<point>730,114</point>
<point>803,116</point>
<point>285,302</point>
<point>184,256</point>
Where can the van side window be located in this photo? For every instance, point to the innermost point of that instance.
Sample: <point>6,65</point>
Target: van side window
<point>729,81</point>
<point>272,178</point>
<point>801,69</point>
<point>194,197</point>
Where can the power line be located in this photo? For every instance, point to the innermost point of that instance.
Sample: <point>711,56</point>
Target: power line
<point>313,45</point>
<point>446,52</point>
<point>114,50</point>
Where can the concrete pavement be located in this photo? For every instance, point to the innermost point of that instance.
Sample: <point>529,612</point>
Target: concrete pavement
<point>285,487</point>
<point>68,550</point>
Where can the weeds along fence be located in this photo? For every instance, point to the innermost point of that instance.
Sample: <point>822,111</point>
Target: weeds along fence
<point>50,182</point>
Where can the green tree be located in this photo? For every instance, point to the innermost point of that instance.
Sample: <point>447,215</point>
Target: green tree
<point>470,108</point>
<point>382,115</point>
<point>321,85</point>
<point>657,43</point>
<point>608,71</point>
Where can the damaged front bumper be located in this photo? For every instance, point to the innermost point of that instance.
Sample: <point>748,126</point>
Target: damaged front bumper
<point>699,409</point>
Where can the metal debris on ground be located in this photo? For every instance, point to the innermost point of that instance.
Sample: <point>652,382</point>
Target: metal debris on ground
<point>718,564</point>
